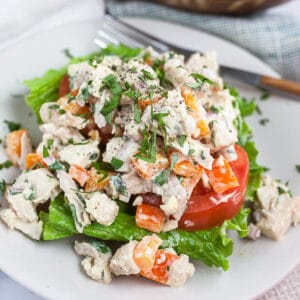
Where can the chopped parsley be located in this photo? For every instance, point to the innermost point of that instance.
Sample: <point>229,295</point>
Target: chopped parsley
<point>56,166</point>
<point>297,168</point>
<point>116,163</point>
<point>102,166</point>
<point>94,156</point>
<point>12,126</point>
<point>147,150</point>
<point>159,119</point>
<point>45,152</point>
<point>50,143</point>
<point>174,159</point>
<point>100,247</point>
<point>162,177</point>
<point>200,80</point>
<point>84,94</point>
<point>53,106</point>
<point>110,82</point>
<point>265,95</point>
<point>5,165</point>
<point>264,121</point>
<point>158,67</point>
<point>182,139</point>
<point>3,186</point>
<point>67,53</point>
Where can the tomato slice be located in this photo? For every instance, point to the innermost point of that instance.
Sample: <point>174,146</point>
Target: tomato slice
<point>64,87</point>
<point>207,209</point>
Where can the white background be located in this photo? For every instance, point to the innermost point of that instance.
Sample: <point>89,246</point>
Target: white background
<point>9,289</point>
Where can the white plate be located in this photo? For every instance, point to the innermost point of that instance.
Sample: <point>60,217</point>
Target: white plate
<point>52,269</point>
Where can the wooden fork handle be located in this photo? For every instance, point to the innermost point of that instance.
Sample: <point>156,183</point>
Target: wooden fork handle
<point>292,87</point>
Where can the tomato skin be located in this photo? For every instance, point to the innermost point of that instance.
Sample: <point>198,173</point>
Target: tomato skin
<point>203,213</point>
<point>64,87</point>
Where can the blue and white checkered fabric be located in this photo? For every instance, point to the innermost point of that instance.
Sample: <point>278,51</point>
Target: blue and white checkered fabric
<point>273,38</point>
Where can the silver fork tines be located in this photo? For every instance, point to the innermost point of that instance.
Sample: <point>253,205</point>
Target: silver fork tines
<point>115,31</point>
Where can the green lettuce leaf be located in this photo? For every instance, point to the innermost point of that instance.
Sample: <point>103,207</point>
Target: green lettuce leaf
<point>210,246</point>
<point>45,88</point>
<point>245,139</point>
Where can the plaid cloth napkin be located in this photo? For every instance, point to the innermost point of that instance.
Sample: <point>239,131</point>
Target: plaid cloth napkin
<point>273,38</point>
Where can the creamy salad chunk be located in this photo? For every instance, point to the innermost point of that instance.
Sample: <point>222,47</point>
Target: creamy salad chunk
<point>137,135</point>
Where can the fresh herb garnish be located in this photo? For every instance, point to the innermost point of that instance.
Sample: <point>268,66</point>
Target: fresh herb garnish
<point>50,143</point>
<point>53,106</point>
<point>200,80</point>
<point>45,152</point>
<point>67,53</point>
<point>159,119</point>
<point>116,163</point>
<point>147,150</point>
<point>56,166</point>
<point>102,166</point>
<point>84,94</point>
<point>265,95</point>
<point>162,177</point>
<point>297,168</point>
<point>264,121</point>
<point>5,165</point>
<point>12,126</point>
<point>174,159</point>
<point>158,67</point>
<point>3,186</point>
<point>182,139</point>
<point>115,88</point>
<point>94,156</point>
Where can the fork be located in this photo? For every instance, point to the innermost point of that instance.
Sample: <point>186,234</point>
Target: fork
<point>114,31</point>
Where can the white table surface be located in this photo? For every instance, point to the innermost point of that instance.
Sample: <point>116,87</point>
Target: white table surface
<point>11,290</point>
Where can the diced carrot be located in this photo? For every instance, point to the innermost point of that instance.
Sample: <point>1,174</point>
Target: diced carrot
<point>159,272</point>
<point>190,102</point>
<point>187,169</point>
<point>149,61</point>
<point>149,217</point>
<point>222,177</point>
<point>144,252</point>
<point>148,170</point>
<point>96,182</point>
<point>79,174</point>
<point>34,159</point>
<point>73,107</point>
<point>13,144</point>
<point>204,129</point>
<point>144,103</point>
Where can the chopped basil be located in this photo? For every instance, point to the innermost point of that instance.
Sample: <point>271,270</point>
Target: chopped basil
<point>297,168</point>
<point>133,70</point>
<point>281,190</point>
<point>115,88</point>
<point>45,152</point>
<point>12,126</point>
<point>182,139</point>
<point>264,121</point>
<point>5,165</point>
<point>116,163</point>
